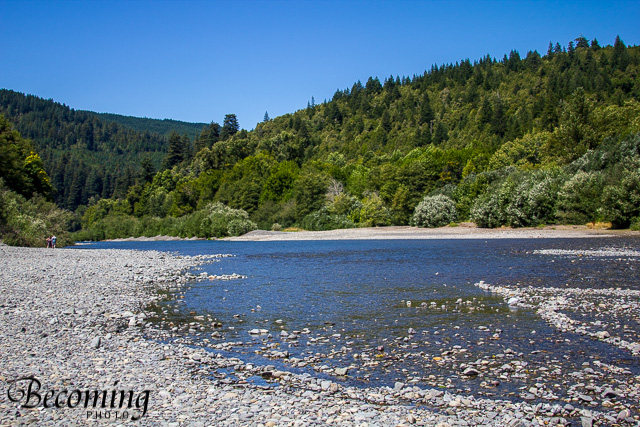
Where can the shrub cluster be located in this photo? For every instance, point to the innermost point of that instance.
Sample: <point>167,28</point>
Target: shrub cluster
<point>435,211</point>
<point>28,222</point>
<point>214,220</point>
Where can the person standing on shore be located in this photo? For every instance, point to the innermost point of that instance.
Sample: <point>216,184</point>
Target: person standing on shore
<point>48,240</point>
<point>53,242</point>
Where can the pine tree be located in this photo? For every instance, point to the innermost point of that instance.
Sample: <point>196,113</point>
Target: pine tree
<point>620,58</point>
<point>230,126</point>
<point>582,42</point>
<point>147,169</point>
<point>441,134</point>
<point>550,50</point>
<point>176,151</point>
<point>426,112</point>
<point>266,117</point>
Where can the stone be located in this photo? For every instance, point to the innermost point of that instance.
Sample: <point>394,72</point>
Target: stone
<point>341,371</point>
<point>623,415</point>
<point>586,421</point>
<point>470,372</point>
<point>95,343</point>
<point>513,301</point>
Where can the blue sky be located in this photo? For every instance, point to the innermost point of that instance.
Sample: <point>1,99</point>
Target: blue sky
<point>199,60</point>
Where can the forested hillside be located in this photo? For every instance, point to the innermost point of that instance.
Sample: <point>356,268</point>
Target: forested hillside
<point>520,141</point>
<point>163,127</point>
<point>88,155</point>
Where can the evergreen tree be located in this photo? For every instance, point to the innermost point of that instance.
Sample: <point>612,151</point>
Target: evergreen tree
<point>620,58</point>
<point>550,51</point>
<point>187,148</point>
<point>582,42</point>
<point>441,133</point>
<point>426,112</point>
<point>176,151</point>
<point>266,117</point>
<point>147,169</point>
<point>230,126</point>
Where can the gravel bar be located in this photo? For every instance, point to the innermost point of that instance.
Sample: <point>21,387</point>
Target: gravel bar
<point>74,350</point>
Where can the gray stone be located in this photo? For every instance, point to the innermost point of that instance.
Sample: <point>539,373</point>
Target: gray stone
<point>95,343</point>
<point>586,421</point>
<point>341,371</point>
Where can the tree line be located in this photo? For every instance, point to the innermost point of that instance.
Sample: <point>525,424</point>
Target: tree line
<point>521,141</point>
<point>482,134</point>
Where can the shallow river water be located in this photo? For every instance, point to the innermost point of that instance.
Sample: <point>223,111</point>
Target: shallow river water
<point>408,311</point>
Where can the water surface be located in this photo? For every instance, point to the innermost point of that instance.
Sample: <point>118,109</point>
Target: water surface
<point>362,297</point>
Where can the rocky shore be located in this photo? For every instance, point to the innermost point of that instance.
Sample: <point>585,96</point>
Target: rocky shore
<point>75,321</point>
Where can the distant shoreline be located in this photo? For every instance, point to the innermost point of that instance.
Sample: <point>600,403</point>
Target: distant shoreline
<point>463,231</point>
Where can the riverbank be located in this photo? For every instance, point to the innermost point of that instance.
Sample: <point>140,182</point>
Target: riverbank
<point>462,231</point>
<point>77,319</point>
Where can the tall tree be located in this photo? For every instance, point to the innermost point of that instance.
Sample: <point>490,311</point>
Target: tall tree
<point>230,126</point>
<point>426,112</point>
<point>176,151</point>
<point>147,169</point>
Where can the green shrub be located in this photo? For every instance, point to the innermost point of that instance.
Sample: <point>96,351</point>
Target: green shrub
<point>28,222</point>
<point>322,219</point>
<point>621,202</point>
<point>579,198</point>
<point>435,211</point>
<point>521,200</point>
<point>218,220</point>
<point>373,212</point>
<point>488,210</point>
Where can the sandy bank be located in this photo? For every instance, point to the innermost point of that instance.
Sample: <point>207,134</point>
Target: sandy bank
<point>158,238</point>
<point>464,231</point>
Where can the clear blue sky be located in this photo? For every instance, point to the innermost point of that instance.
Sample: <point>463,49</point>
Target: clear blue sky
<point>199,60</point>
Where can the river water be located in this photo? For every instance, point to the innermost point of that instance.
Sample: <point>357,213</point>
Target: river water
<point>404,310</point>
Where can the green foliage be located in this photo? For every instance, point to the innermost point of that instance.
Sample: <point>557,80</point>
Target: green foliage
<point>179,150</point>
<point>505,140</point>
<point>279,185</point>
<point>309,192</point>
<point>161,127</point>
<point>85,155</point>
<point>621,201</point>
<point>20,167</point>
<point>373,212</point>
<point>28,222</point>
<point>579,198</point>
<point>525,152</point>
<point>214,220</point>
<point>435,211</point>
<point>522,199</point>
<point>322,219</point>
